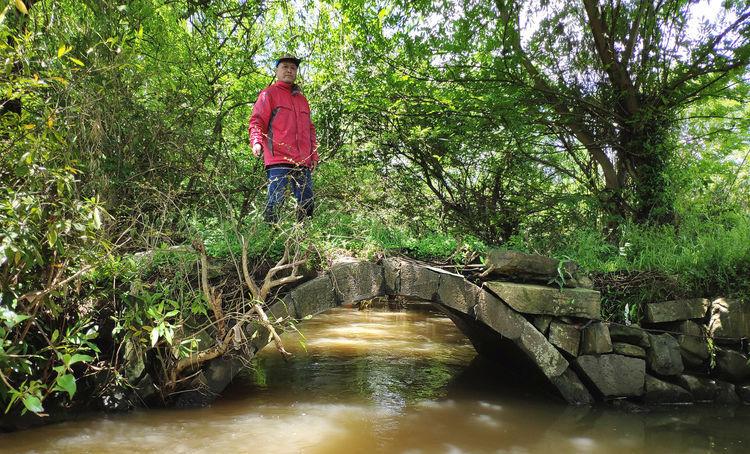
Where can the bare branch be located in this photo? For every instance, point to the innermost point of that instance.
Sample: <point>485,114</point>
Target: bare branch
<point>212,296</point>
<point>254,290</point>
<point>259,296</point>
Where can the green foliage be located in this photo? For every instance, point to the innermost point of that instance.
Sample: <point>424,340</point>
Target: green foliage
<point>51,228</point>
<point>702,257</point>
<point>123,133</point>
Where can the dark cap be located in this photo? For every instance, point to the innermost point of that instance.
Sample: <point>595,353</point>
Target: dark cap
<point>288,57</point>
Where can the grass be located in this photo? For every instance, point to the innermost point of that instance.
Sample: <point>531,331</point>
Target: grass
<point>701,257</point>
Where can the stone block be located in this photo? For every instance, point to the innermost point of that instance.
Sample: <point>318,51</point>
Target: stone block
<point>629,334</point>
<point>514,263</point>
<point>702,389</point>
<point>134,367</point>
<point>283,309</point>
<point>219,373</point>
<point>456,292</point>
<point>144,392</point>
<point>545,355</point>
<point>743,392</point>
<point>209,382</point>
<point>729,319</point>
<point>596,339</point>
<point>664,356</point>
<point>355,280</point>
<point>313,297</point>
<point>692,362</point>
<point>534,268</point>
<point>693,343</point>
<point>614,375</point>
<point>418,281</point>
<point>661,392</point>
<point>540,300</point>
<point>727,394</point>
<point>498,316</point>
<point>280,309</point>
<point>581,281</point>
<point>542,322</point>
<point>634,351</point>
<point>571,388</point>
<point>732,365</point>
<point>676,310</point>
<point>392,275</point>
<point>565,337</point>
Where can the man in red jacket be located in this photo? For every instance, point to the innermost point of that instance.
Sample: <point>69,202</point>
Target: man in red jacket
<point>282,130</point>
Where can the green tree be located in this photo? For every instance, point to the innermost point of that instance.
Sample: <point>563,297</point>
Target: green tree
<point>604,83</point>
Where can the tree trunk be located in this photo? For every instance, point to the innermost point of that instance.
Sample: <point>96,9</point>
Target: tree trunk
<point>646,152</point>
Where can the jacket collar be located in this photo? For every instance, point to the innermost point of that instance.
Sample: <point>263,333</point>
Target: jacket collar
<point>294,88</point>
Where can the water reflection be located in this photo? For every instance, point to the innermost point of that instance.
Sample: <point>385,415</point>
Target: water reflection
<point>403,382</point>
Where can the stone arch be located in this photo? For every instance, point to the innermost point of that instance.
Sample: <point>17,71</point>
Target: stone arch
<point>468,305</point>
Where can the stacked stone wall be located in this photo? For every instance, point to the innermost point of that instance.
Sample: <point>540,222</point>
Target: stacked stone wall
<point>690,350</point>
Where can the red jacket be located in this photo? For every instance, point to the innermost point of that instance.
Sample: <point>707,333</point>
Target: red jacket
<point>281,123</point>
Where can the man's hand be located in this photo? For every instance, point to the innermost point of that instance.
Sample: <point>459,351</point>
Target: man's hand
<point>257,149</point>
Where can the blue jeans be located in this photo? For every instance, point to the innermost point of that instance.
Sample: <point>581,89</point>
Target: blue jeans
<point>300,179</point>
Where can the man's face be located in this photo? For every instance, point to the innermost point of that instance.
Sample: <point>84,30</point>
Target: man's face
<point>286,72</point>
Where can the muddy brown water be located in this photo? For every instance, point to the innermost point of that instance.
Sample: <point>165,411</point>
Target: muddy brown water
<point>383,381</point>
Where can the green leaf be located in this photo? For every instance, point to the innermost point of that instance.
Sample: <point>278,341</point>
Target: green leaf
<point>11,318</point>
<point>168,336</point>
<point>67,383</point>
<point>78,358</point>
<point>76,61</point>
<point>60,80</point>
<point>52,237</point>
<point>154,337</point>
<point>65,358</point>
<point>2,17</point>
<point>32,403</point>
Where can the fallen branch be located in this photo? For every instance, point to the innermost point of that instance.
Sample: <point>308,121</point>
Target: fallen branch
<point>235,334</point>
<point>196,360</point>
<point>213,297</point>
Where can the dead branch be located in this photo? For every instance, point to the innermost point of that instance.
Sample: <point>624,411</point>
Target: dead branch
<point>254,290</point>
<point>259,296</point>
<point>199,358</point>
<point>283,264</point>
<point>213,296</point>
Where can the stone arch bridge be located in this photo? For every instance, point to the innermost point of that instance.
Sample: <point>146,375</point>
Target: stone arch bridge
<point>491,316</point>
<point>687,351</point>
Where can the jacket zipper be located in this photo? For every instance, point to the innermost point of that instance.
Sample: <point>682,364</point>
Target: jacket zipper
<point>296,130</point>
